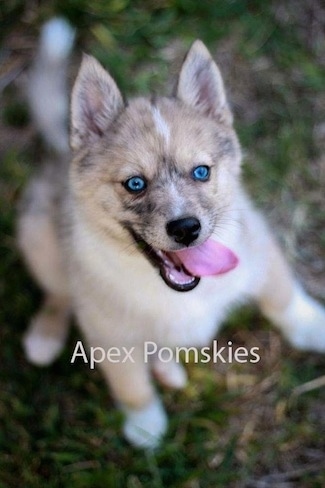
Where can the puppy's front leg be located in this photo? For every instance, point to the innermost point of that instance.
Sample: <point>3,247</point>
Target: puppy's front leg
<point>284,302</point>
<point>131,385</point>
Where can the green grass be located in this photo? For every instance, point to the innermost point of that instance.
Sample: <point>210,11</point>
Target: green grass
<point>233,426</point>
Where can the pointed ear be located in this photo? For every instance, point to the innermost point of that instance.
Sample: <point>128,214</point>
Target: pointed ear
<point>96,101</point>
<point>200,84</point>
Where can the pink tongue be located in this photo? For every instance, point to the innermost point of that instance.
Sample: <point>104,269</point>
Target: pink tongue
<point>210,258</point>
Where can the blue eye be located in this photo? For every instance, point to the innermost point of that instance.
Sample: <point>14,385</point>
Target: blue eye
<point>136,184</point>
<point>201,173</point>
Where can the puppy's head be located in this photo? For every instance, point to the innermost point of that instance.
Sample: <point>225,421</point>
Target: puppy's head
<point>161,171</point>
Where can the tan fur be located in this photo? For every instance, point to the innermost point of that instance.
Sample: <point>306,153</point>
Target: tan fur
<point>117,295</point>
<point>39,242</point>
<point>276,297</point>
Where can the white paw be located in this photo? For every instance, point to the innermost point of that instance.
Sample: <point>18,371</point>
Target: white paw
<point>170,374</point>
<point>41,350</point>
<point>145,428</point>
<point>303,322</point>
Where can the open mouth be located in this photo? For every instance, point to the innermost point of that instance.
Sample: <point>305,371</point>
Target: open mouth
<point>182,270</point>
<point>171,268</point>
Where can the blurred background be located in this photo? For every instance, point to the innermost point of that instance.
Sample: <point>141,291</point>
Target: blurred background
<point>234,425</point>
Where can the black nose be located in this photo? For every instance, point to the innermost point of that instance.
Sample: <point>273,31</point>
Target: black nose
<point>184,231</point>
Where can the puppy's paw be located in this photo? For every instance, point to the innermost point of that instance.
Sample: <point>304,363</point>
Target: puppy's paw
<point>145,427</point>
<point>45,337</point>
<point>41,350</point>
<point>170,374</point>
<point>303,322</point>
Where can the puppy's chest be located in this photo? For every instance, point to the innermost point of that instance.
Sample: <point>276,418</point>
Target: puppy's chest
<point>127,291</point>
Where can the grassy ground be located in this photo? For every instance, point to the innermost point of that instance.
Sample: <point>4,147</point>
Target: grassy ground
<point>233,426</point>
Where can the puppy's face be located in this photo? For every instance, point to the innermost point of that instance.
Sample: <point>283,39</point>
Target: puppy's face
<point>160,171</point>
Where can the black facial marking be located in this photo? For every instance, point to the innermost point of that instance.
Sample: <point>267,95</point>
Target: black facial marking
<point>135,206</point>
<point>142,208</point>
<point>168,171</point>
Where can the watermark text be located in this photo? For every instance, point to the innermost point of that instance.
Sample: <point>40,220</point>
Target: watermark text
<point>151,350</point>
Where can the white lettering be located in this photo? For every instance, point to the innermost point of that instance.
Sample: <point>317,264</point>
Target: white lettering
<point>128,355</point>
<point>165,354</point>
<point>187,351</point>
<point>241,352</point>
<point>217,353</point>
<point>113,352</point>
<point>93,359</point>
<point>150,352</point>
<point>76,353</point>
<point>255,354</point>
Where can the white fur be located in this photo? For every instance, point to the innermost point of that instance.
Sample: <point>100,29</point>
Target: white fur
<point>171,374</point>
<point>303,322</point>
<point>47,93</point>
<point>57,39</point>
<point>178,202</point>
<point>161,125</point>
<point>173,317</point>
<point>145,427</point>
<point>42,350</point>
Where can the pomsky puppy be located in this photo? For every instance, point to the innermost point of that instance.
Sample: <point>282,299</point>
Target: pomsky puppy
<point>148,234</point>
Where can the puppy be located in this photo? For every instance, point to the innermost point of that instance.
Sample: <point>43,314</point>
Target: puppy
<point>147,235</point>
